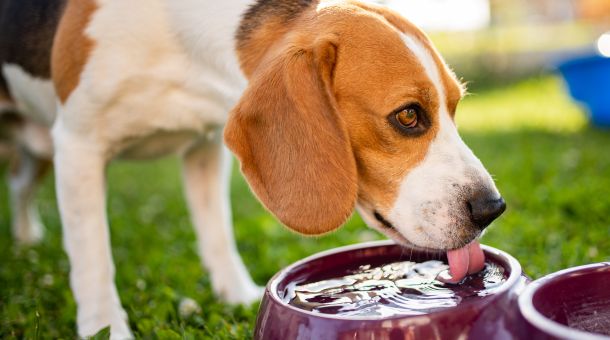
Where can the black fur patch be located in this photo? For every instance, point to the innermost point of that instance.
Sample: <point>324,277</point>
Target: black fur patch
<point>264,9</point>
<point>9,122</point>
<point>27,28</point>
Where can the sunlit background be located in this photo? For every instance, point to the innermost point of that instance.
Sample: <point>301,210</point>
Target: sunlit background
<point>498,40</point>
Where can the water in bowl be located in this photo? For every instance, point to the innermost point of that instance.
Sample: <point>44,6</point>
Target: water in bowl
<point>400,288</point>
<point>592,317</point>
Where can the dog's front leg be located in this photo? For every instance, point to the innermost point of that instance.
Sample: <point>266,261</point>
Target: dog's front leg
<point>80,183</point>
<point>207,170</point>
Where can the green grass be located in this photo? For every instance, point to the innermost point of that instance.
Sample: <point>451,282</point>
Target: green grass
<point>553,170</point>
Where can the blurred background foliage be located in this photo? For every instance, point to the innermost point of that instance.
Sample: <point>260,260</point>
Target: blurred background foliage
<point>491,42</point>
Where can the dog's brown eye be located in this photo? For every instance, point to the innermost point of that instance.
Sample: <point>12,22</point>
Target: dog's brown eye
<point>407,117</point>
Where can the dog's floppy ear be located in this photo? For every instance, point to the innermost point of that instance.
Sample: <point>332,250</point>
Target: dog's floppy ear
<point>292,143</point>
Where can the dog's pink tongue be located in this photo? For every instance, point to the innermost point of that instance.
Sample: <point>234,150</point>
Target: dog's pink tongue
<point>466,260</point>
<point>476,256</point>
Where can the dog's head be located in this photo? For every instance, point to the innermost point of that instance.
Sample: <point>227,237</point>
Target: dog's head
<point>353,107</point>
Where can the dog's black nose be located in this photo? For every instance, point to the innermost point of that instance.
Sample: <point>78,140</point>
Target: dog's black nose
<point>484,210</point>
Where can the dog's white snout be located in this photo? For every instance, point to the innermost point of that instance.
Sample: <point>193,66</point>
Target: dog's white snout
<point>449,198</point>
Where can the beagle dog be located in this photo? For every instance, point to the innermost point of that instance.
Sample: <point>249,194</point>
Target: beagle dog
<point>329,106</point>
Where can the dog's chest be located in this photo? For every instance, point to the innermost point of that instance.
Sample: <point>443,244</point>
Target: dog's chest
<point>177,77</point>
<point>161,74</point>
<point>159,144</point>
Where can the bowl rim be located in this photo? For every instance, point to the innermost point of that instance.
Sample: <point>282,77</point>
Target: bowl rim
<point>271,287</point>
<point>544,324</point>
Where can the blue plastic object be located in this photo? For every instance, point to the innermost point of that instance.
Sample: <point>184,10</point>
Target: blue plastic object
<point>588,80</point>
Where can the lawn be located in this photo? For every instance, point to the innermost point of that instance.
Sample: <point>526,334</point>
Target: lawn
<point>553,170</point>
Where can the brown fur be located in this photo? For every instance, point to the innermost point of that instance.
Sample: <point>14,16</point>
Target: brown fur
<point>368,92</point>
<point>6,102</point>
<point>288,135</point>
<point>312,128</point>
<point>4,97</point>
<point>10,121</point>
<point>454,89</point>
<point>72,47</point>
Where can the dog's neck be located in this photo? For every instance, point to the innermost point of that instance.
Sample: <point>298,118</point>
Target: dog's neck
<point>264,24</point>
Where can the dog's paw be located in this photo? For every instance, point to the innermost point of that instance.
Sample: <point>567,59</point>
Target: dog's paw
<point>115,319</point>
<point>119,329</point>
<point>28,232</point>
<point>120,334</point>
<point>107,333</point>
<point>245,295</point>
<point>116,332</point>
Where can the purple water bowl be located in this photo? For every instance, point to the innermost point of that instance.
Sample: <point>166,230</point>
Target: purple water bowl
<point>570,304</point>
<point>494,316</point>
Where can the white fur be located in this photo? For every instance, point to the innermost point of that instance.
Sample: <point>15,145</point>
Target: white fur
<point>36,139</point>
<point>36,97</point>
<point>33,96</point>
<point>80,183</point>
<point>34,149</point>
<point>155,87</point>
<point>209,42</point>
<point>26,225</point>
<point>206,173</point>
<point>144,93</point>
<point>430,207</point>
